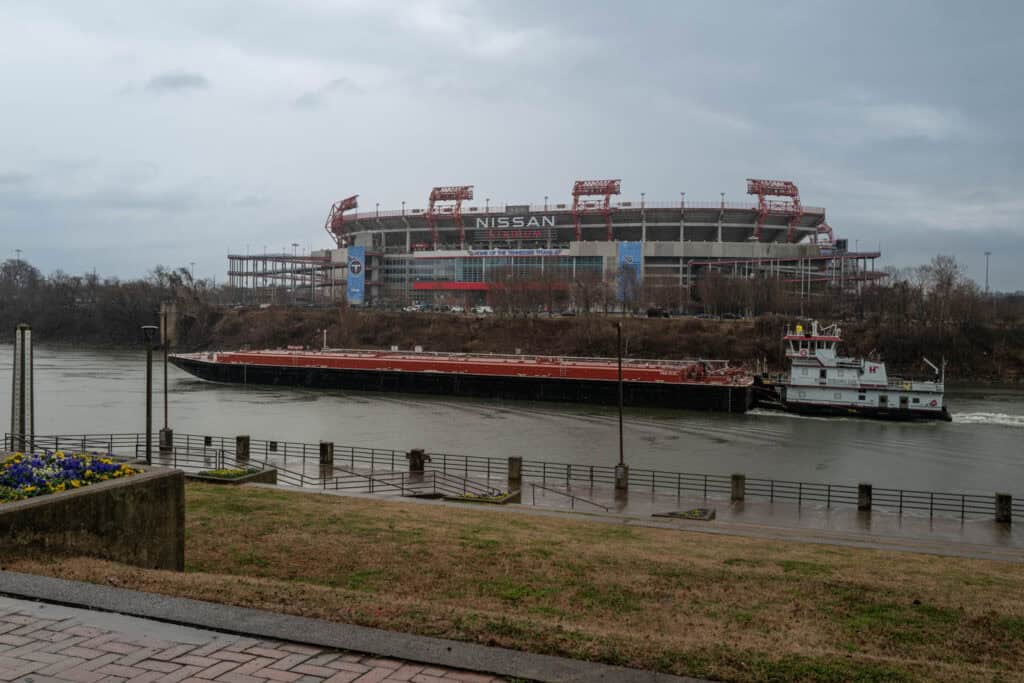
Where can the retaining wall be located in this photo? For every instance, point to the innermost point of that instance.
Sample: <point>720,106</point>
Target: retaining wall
<point>137,520</point>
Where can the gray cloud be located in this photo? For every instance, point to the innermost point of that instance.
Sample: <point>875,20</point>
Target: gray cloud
<point>14,178</point>
<point>177,81</point>
<point>904,125</point>
<point>312,99</point>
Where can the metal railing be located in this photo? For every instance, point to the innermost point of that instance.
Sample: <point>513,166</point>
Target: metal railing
<point>458,474</point>
<point>571,496</point>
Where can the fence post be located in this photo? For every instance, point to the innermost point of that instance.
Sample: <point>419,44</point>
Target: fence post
<point>621,478</point>
<point>1004,508</point>
<point>515,473</point>
<point>241,448</point>
<point>417,460</point>
<point>327,453</point>
<point>864,492</point>
<point>166,441</point>
<point>739,487</point>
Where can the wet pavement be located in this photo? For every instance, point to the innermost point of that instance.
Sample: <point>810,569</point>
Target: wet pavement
<point>44,642</point>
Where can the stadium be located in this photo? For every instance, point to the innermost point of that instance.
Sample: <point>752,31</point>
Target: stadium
<point>456,252</point>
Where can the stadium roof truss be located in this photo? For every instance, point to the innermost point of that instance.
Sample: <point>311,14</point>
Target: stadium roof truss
<point>455,194</point>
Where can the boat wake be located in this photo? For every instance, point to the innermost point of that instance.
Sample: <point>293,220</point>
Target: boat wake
<point>765,412</point>
<point>1001,419</point>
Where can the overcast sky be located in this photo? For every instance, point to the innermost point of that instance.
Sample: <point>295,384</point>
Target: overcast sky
<point>137,133</point>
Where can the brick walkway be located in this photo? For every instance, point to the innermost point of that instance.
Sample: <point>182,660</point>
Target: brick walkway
<point>41,642</point>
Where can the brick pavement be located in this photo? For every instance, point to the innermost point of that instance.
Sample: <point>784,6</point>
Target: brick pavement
<point>40,642</point>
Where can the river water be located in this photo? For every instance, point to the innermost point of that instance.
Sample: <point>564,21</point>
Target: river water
<point>101,391</point>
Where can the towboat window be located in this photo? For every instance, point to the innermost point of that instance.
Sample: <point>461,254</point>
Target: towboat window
<point>862,397</point>
<point>916,400</point>
<point>822,374</point>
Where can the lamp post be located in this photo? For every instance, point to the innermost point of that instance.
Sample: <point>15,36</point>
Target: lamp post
<point>403,207</point>
<point>987,254</point>
<point>487,205</point>
<point>682,201</point>
<point>148,332</point>
<point>545,202</point>
<point>642,196</point>
<point>621,470</point>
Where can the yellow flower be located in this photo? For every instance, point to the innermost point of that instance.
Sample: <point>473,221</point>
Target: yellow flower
<point>75,483</point>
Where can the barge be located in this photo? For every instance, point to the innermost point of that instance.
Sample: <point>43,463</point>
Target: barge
<point>692,385</point>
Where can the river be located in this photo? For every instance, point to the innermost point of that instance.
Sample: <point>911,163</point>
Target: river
<point>102,391</point>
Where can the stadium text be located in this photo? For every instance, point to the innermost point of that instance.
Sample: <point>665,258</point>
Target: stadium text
<point>515,222</point>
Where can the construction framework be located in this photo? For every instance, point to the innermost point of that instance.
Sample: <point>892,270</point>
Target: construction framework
<point>594,188</point>
<point>455,194</point>
<point>791,209</point>
<point>335,225</point>
<point>285,278</point>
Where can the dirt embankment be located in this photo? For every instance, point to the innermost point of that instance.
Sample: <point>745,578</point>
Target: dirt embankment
<point>983,354</point>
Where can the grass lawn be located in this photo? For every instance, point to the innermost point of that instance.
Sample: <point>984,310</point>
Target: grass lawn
<point>687,603</point>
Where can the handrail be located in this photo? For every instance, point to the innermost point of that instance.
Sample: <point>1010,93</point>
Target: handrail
<point>450,472</point>
<point>572,497</point>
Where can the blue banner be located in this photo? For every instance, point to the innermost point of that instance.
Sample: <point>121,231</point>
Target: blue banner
<point>630,269</point>
<point>355,292</point>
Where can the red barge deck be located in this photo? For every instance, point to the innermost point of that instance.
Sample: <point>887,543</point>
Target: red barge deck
<point>693,384</point>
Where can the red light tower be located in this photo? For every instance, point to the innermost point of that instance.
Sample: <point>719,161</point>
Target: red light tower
<point>450,193</point>
<point>336,219</point>
<point>768,207</point>
<point>594,188</point>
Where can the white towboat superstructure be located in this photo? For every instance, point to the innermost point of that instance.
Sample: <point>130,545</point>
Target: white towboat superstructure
<point>822,382</point>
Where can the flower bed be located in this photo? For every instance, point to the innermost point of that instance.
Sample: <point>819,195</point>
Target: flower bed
<point>27,475</point>
<point>228,473</point>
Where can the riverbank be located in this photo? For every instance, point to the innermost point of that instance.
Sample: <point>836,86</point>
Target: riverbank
<point>735,609</point>
<point>982,354</point>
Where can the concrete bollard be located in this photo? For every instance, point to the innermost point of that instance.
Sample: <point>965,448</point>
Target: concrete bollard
<point>864,497</point>
<point>515,474</point>
<point>166,441</point>
<point>418,460</point>
<point>622,478</point>
<point>739,487</point>
<point>327,453</point>
<point>1004,508</point>
<point>242,448</point>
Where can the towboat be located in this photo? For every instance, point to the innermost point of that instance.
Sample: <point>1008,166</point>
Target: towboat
<point>822,382</point>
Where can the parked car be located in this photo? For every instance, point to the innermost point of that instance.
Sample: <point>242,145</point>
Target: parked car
<point>483,310</point>
<point>655,312</point>
<point>458,309</point>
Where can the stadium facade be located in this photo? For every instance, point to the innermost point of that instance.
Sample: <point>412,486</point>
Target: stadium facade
<point>454,252</point>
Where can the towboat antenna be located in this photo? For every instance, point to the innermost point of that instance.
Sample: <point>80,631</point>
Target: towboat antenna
<point>932,366</point>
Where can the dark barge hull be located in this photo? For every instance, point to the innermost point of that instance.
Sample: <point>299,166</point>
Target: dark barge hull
<point>715,397</point>
<point>908,415</point>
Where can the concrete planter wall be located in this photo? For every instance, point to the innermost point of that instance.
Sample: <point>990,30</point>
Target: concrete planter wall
<point>267,476</point>
<point>137,520</point>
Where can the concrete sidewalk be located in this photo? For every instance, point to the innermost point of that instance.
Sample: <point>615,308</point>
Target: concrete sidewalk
<point>57,630</point>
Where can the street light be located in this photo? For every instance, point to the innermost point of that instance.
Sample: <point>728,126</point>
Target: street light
<point>403,207</point>
<point>545,202</point>
<point>642,195</point>
<point>378,209</point>
<point>723,199</point>
<point>621,471</point>
<point>192,271</point>
<point>682,200</point>
<point>148,333</point>
<point>487,205</point>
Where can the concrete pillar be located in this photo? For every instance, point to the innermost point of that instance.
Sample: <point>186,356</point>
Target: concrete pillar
<point>864,497</point>
<point>1004,508</point>
<point>166,441</point>
<point>23,414</point>
<point>418,459</point>
<point>327,453</point>
<point>739,487</point>
<point>242,448</point>
<point>622,478</point>
<point>515,474</point>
